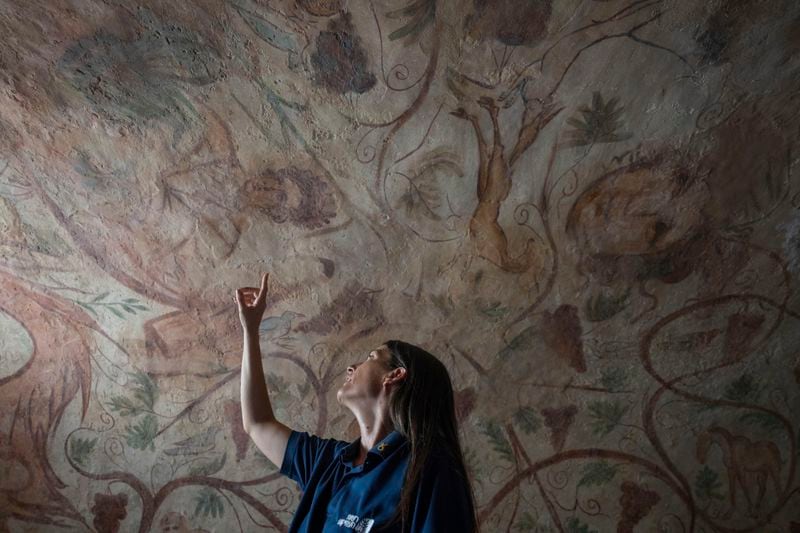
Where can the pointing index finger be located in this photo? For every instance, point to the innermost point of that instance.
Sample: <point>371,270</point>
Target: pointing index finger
<point>262,294</point>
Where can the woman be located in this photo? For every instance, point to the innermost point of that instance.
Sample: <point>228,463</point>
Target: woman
<point>404,473</point>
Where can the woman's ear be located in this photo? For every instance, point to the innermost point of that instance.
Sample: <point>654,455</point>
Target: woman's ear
<point>397,375</point>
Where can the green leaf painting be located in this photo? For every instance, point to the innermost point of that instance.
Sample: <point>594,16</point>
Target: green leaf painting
<point>208,466</point>
<point>764,421</point>
<point>494,310</point>
<point>527,419</point>
<point>208,503</point>
<point>707,484</point>
<point>522,341</point>
<point>125,406</point>
<point>270,33</point>
<point>527,522</point>
<point>130,305</point>
<point>614,379</point>
<point>142,434</point>
<point>473,463</point>
<point>99,297</point>
<point>81,449</point>
<point>598,473</point>
<point>421,13</point>
<point>599,123</point>
<point>607,415</point>
<point>498,440</point>
<point>145,394</point>
<point>604,306</point>
<point>304,389</point>
<point>145,389</point>
<point>574,525</point>
<point>743,389</point>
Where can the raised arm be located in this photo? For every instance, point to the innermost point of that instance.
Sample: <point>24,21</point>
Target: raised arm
<point>258,418</point>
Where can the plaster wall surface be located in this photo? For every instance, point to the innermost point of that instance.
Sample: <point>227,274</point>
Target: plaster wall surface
<point>588,210</point>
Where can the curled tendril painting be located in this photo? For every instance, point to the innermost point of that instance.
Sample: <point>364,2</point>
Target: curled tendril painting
<point>589,211</point>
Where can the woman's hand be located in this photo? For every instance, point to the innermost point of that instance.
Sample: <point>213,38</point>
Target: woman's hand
<point>252,302</point>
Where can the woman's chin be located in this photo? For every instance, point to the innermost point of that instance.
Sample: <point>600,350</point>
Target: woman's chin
<point>340,394</point>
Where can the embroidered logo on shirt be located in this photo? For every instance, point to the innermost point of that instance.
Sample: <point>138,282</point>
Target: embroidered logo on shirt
<point>363,525</point>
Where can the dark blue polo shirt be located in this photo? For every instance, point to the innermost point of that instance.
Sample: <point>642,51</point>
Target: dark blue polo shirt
<point>339,497</point>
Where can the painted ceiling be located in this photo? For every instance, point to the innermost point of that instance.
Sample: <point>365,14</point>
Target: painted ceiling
<point>589,210</point>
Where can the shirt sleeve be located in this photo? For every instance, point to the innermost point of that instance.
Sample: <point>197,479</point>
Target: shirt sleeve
<point>303,453</point>
<point>443,501</point>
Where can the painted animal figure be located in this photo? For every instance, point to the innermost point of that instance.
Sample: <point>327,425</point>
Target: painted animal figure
<point>494,183</point>
<point>747,462</point>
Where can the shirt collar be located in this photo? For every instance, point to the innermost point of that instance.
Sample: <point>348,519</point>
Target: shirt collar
<point>382,448</point>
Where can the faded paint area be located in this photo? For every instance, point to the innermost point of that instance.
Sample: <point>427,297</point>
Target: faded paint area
<point>590,211</point>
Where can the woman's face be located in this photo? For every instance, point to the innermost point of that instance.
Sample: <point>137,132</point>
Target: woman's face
<point>364,379</point>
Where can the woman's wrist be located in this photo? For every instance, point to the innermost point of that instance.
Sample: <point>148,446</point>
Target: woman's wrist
<point>250,331</point>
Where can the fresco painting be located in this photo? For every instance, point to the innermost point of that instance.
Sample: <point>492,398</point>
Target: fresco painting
<point>589,210</point>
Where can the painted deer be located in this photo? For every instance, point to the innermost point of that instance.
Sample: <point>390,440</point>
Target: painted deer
<point>747,462</point>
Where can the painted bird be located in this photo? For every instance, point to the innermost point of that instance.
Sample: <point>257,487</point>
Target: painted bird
<point>196,445</point>
<point>277,328</point>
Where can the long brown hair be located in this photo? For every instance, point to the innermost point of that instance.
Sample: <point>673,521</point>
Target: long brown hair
<point>422,409</point>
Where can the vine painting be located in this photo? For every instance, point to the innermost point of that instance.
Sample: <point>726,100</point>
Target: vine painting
<point>588,209</point>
